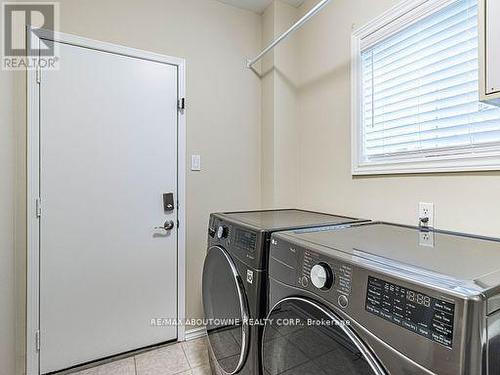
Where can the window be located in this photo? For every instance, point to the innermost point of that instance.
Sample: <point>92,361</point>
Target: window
<point>415,98</point>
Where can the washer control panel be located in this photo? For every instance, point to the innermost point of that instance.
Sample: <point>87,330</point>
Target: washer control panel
<point>412,310</point>
<point>325,276</point>
<point>322,276</point>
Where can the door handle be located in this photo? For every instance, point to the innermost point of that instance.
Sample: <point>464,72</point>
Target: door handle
<point>167,226</point>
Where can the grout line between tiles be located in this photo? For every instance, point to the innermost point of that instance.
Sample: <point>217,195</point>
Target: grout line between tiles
<point>185,355</point>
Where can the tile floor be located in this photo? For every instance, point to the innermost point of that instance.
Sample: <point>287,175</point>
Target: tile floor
<point>186,358</point>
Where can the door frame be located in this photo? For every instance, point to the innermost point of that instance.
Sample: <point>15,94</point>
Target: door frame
<point>33,182</point>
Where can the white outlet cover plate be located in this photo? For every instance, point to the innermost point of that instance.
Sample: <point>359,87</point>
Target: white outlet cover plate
<point>426,239</point>
<point>426,210</point>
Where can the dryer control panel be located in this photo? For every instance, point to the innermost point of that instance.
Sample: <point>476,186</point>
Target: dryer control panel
<point>238,241</point>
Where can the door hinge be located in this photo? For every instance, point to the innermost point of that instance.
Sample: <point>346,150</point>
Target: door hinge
<point>38,74</point>
<point>181,104</point>
<point>38,207</point>
<point>37,340</point>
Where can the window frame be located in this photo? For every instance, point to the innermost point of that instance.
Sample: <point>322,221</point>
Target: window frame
<point>459,159</point>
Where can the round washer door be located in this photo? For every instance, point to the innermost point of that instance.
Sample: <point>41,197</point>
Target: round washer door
<point>303,337</point>
<point>226,310</point>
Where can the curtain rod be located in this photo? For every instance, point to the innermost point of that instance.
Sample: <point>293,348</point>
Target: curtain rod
<point>296,26</point>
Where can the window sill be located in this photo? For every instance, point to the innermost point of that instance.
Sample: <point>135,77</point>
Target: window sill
<point>444,164</point>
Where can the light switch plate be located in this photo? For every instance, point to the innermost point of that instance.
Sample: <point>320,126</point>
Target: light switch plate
<point>195,162</point>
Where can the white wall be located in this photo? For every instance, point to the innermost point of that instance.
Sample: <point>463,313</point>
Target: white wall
<point>467,202</point>
<point>280,159</point>
<point>223,126</point>
<point>267,74</point>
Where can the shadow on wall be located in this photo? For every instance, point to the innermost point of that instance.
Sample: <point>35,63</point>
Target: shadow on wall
<point>327,79</point>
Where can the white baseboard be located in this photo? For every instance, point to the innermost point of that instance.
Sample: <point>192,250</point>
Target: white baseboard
<point>195,333</point>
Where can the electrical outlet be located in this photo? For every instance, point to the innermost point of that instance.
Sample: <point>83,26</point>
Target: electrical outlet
<point>426,214</point>
<point>426,238</point>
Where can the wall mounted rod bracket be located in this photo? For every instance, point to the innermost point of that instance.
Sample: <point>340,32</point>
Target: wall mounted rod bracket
<point>294,27</point>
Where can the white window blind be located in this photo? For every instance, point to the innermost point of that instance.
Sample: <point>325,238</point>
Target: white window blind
<point>419,90</point>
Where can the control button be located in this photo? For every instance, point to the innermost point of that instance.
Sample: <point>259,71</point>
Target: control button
<point>211,232</point>
<point>343,301</point>
<point>222,232</point>
<point>305,281</point>
<point>322,276</point>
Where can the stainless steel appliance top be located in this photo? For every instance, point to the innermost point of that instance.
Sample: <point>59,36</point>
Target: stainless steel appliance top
<point>274,220</point>
<point>448,258</point>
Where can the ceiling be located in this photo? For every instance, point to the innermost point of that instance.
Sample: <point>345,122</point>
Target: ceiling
<point>258,6</point>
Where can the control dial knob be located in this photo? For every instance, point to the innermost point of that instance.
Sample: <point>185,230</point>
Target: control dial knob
<point>322,276</point>
<point>222,232</point>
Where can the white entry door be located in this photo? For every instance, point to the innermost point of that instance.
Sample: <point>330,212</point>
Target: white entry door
<point>108,153</point>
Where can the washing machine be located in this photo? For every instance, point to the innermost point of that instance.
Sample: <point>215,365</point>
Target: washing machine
<point>234,286</point>
<point>381,298</point>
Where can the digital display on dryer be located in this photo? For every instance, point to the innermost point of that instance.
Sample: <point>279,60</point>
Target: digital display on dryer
<point>245,240</point>
<point>415,311</point>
